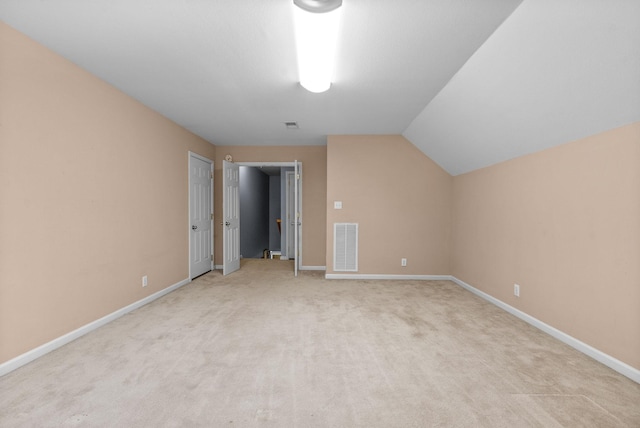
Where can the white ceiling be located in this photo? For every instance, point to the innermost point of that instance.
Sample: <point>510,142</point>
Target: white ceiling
<point>469,83</point>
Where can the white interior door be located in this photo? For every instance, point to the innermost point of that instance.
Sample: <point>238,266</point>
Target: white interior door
<point>231,217</point>
<point>200,210</point>
<point>294,216</point>
<point>290,214</point>
<point>297,219</point>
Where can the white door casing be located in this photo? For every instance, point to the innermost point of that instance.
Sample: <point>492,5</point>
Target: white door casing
<point>231,217</point>
<point>200,215</point>
<point>295,195</point>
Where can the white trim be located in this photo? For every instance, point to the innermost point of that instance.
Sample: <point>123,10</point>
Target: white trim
<point>218,267</point>
<point>282,165</point>
<point>393,277</point>
<point>313,268</point>
<point>38,352</point>
<point>259,164</point>
<point>609,361</point>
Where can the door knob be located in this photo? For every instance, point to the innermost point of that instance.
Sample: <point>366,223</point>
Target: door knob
<point>194,227</point>
<point>227,223</point>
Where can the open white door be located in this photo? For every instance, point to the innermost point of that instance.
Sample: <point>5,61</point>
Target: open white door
<point>200,211</point>
<point>297,219</point>
<point>289,216</point>
<point>294,216</point>
<point>231,217</point>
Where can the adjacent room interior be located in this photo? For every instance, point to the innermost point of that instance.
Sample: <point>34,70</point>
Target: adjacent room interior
<point>489,154</point>
<point>263,206</point>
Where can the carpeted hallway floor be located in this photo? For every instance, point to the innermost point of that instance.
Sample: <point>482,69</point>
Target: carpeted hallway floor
<point>261,348</point>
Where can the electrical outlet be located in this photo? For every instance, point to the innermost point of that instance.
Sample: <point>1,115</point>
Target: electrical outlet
<point>516,290</point>
<point>403,262</point>
<point>144,281</point>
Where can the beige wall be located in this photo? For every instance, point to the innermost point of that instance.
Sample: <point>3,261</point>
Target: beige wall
<point>564,224</point>
<point>400,199</point>
<point>314,191</point>
<point>93,195</point>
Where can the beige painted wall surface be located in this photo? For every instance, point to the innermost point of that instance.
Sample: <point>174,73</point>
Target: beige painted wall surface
<point>399,197</point>
<point>93,191</point>
<point>564,224</point>
<point>314,191</point>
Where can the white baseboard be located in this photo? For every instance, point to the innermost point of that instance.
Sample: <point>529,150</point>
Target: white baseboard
<point>313,268</point>
<point>609,361</point>
<point>392,277</point>
<point>218,267</point>
<point>29,356</point>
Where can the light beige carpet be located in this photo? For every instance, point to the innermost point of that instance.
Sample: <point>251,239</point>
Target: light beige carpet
<point>261,348</point>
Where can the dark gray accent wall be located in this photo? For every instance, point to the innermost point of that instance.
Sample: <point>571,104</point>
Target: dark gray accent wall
<point>254,212</point>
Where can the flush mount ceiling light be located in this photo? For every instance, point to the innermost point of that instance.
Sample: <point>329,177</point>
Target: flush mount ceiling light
<point>316,23</point>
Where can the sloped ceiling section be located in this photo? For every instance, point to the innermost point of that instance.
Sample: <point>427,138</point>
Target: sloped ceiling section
<point>554,72</point>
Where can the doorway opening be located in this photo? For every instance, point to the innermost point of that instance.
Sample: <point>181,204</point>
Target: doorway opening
<point>269,213</point>
<point>262,208</point>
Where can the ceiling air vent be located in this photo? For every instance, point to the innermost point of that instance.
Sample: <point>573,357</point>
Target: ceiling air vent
<point>291,125</point>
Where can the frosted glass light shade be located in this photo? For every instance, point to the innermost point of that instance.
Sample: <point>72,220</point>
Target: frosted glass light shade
<point>316,43</point>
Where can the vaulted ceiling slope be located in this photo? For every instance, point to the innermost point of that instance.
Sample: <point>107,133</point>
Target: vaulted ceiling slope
<point>469,83</point>
<point>555,71</point>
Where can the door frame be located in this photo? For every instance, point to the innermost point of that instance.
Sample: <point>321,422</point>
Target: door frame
<point>190,155</point>
<point>290,164</point>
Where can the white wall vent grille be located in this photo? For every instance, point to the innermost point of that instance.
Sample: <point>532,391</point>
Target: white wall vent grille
<point>345,247</point>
